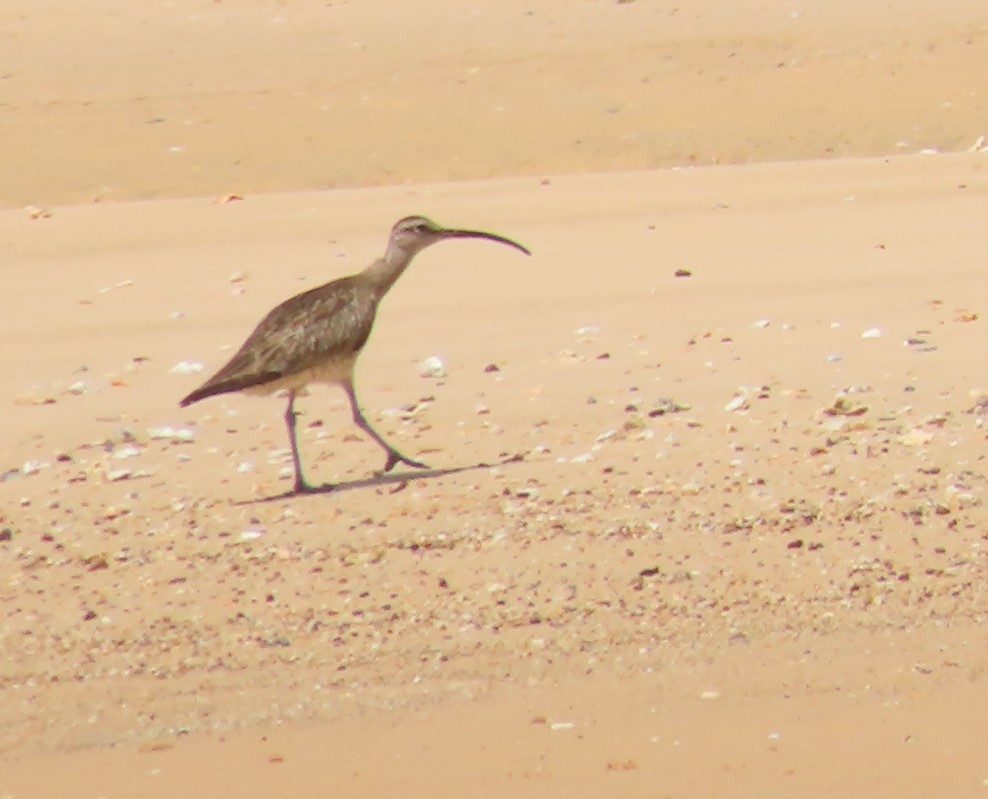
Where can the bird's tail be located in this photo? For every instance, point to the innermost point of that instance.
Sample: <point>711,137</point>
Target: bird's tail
<point>200,393</point>
<point>225,385</point>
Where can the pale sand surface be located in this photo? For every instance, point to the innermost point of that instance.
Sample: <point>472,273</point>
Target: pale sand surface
<point>172,98</point>
<point>617,578</point>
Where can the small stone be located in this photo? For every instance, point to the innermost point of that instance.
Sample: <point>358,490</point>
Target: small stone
<point>664,405</point>
<point>36,212</point>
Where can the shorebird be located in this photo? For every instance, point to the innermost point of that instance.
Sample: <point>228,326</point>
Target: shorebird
<point>316,336</point>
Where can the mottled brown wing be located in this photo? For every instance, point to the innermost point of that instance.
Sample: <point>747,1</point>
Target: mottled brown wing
<point>310,329</point>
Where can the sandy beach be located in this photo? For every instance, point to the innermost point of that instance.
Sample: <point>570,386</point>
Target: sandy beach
<point>704,512</point>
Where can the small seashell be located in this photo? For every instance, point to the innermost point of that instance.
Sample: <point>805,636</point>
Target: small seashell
<point>872,332</point>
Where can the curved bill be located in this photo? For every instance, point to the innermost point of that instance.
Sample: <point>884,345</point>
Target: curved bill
<point>480,234</point>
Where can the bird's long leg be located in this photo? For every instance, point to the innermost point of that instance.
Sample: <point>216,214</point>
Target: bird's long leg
<point>301,484</point>
<point>394,457</point>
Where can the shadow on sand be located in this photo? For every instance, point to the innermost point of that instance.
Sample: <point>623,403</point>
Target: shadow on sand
<point>378,480</point>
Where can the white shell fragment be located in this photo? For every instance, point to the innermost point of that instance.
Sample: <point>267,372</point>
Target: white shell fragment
<point>129,451</point>
<point>186,368</point>
<point>739,403</point>
<point>432,366</point>
<point>872,332</point>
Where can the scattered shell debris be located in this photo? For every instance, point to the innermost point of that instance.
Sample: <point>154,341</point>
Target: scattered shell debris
<point>174,434</point>
<point>641,522</point>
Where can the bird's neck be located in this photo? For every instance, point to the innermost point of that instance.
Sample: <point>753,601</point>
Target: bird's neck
<point>383,273</point>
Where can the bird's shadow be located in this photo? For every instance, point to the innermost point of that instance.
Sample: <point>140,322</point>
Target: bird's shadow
<point>378,480</point>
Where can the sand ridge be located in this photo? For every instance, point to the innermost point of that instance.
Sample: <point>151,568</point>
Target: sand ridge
<point>190,98</point>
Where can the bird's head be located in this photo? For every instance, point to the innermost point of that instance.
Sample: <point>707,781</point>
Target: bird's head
<point>415,233</point>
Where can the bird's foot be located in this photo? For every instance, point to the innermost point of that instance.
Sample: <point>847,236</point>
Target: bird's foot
<point>395,457</point>
<point>305,487</point>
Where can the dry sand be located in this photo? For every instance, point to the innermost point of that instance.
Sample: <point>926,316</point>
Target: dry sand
<point>718,534</point>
